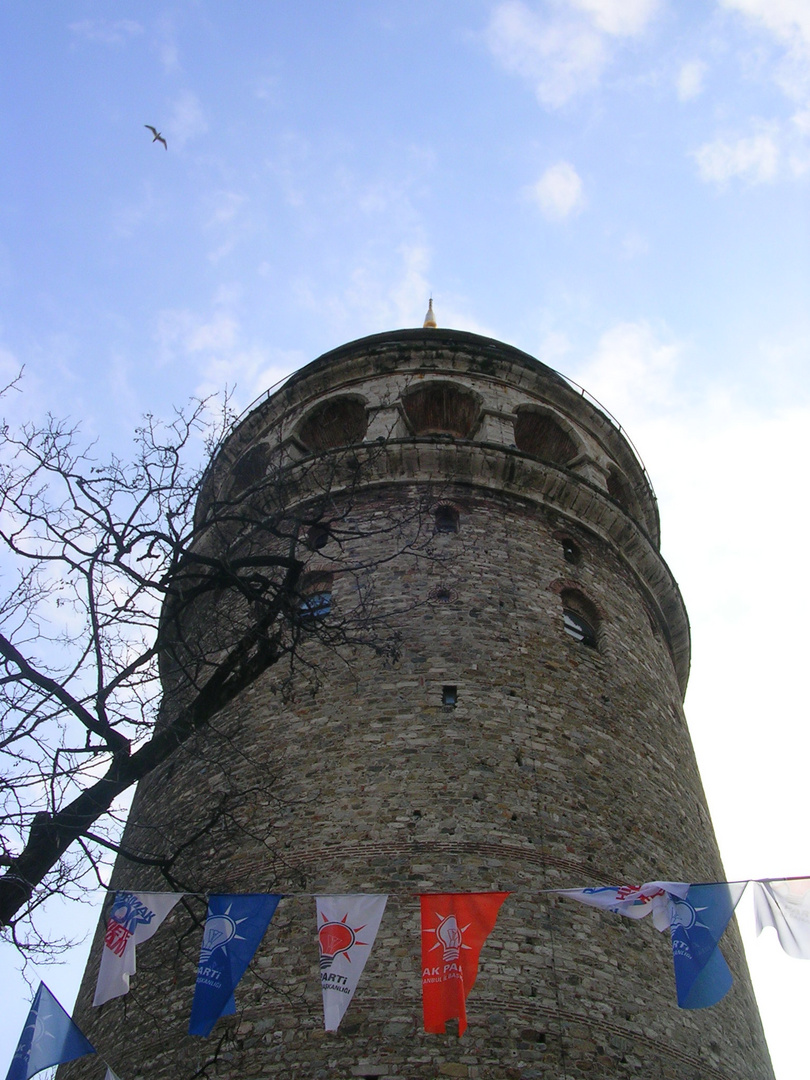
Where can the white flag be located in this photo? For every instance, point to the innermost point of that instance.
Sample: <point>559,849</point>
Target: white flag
<point>109,1074</point>
<point>347,927</point>
<point>784,904</point>
<point>633,901</point>
<point>134,918</point>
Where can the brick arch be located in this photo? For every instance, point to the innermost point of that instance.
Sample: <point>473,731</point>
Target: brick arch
<point>441,408</point>
<point>620,490</point>
<point>562,587</point>
<point>340,421</point>
<point>539,433</point>
<point>580,616</point>
<point>249,469</point>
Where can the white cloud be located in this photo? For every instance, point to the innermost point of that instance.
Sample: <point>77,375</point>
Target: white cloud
<point>213,344</point>
<point>165,45</point>
<point>710,450</point>
<point>690,80</point>
<point>563,54</point>
<point>779,149</point>
<point>788,20</point>
<point>755,159</point>
<point>187,120</point>
<point>380,294</point>
<point>554,350</point>
<point>707,459</point>
<point>558,192</point>
<point>106,31</point>
<point>182,331</point>
<point>632,372</point>
<point>218,334</point>
<point>781,30</point>
<point>559,59</point>
<point>619,17</point>
<point>247,373</point>
<point>798,154</point>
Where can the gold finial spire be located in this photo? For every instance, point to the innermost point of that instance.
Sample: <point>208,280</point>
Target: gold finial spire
<point>430,318</point>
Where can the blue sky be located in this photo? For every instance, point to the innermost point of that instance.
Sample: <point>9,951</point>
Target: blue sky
<point>619,187</point>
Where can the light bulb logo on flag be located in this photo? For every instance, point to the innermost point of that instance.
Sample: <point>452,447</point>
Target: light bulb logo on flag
<point>683,914</point>
<point>450,937</point>
<point>49,1038</point>
<point>219,930</point>
<point>697,922</point>
<point>234,926</point>
<point>335,938</point>
<point>343,955</point>
<point>458,924</point>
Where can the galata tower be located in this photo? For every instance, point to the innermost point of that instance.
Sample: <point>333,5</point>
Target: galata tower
<point>483,692</point>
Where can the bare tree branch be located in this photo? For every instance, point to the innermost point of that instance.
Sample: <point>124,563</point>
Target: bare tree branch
<point>108,576</point>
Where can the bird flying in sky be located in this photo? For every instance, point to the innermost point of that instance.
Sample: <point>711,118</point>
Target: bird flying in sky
<point>158,137</point>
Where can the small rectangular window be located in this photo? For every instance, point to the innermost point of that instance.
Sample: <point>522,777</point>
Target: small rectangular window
<point>446,518</point>
<point>449,695</point>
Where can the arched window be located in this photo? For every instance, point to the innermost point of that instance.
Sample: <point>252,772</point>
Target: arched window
<point>315,591</point>
<point>620,490</point>
<point>442,594</point>
<point>337,422</point>
<point>580,618</point>
<point>437,408</point>
<point>540,435</point>
<point>571,552</point>
<point>318,537</point>
<point>249,469</point>
<point>446,519</point>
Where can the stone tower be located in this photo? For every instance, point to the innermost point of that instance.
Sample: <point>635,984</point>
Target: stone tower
<point>486,695</point>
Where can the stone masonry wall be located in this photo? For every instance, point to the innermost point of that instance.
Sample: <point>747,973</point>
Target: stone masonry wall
<point>560,766</point>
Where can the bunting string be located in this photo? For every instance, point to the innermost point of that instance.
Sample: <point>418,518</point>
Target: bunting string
<point>454,930</point>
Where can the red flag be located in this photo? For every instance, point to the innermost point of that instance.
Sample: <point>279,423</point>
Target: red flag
<point>454,927</point>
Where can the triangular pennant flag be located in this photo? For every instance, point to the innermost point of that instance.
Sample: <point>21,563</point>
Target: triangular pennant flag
<point>233,929</point>
<point>632,901</point>
<point>697,922</point>
<point>347,927</point>
<point>110,1075</point>
<point>49,1038</point>
<point>784,904</point>
<point>133,919</point>
<point>454,928</point>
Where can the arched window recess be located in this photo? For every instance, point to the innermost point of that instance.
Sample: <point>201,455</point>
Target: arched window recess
<point>541,435</point>
<point>315,596</point>
<point>340,421</point>
<point>441,408</point>
<point>581,619</point>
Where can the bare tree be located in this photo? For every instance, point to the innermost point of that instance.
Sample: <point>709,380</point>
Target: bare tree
<point>107,566</point>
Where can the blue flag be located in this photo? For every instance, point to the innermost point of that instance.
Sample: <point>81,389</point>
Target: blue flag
<point>233,929</point>
<point>49,1038</point>
<point>697,923</point>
